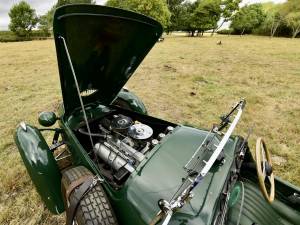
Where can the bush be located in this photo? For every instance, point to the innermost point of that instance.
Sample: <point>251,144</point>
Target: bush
<point>14,39</point>
<point>39,34</point>
<point>8,36</point>
<point>225,31</point>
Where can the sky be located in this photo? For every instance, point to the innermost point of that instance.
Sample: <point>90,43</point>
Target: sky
<point>42,6</point>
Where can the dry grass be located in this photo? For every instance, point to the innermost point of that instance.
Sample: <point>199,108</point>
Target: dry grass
<point>186,80</point>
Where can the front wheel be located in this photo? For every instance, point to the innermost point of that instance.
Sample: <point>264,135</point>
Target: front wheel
<point>94,208</point>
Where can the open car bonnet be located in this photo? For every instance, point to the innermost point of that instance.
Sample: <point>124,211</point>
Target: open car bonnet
<point>105,45</point>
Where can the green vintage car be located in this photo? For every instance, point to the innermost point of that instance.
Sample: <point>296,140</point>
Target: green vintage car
<point>111,163</point>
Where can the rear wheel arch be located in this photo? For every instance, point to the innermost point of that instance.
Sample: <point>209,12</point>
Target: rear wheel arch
<point>129,101</point>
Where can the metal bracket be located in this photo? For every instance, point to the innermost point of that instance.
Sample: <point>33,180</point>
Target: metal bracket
<point>54,146</point>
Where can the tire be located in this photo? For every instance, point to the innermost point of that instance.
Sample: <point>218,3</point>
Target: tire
<point>94,208</point>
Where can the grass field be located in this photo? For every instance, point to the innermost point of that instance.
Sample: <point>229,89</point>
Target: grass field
<point>184,80</point>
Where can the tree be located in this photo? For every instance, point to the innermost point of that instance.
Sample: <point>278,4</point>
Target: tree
<point>22,19</point>
<point>186,17</point>
<point>248,18</point>
<point>228,8</point>
<point>44,25</point>
<point>206,15</point>
<point>176,9</point>
<point>156,9</point>
<point>65,2</point>
<point>46,21</point>
<point>293,21</point>
<point>280,18</point>
<point>273,20</point>
<point>290,6</point>
<point>291,10</point>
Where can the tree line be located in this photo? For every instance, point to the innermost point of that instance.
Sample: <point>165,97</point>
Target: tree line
<point>268,19</point>
<point>195,18</point>
<point>23,18</point>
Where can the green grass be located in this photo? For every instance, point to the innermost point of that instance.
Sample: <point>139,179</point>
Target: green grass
<point>264,71</point>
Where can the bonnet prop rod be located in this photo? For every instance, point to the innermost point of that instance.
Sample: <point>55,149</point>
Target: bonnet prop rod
<point>77,88</point>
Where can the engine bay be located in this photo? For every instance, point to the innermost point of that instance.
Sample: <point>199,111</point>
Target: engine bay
<point>122,141</point>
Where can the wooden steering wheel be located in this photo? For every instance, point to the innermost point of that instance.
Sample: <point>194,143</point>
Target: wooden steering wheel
<point>264,170</point>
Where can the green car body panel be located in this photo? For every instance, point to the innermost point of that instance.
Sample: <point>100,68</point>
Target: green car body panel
<point>134,102</point>
<point>92,33</point>
<point>106,45</point>
<point>41,166</point>
<point>155,179</point>
<point>162,174</point>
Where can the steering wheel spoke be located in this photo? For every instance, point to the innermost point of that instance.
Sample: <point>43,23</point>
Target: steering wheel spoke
<point>264,170</point>
<point>269,178</point>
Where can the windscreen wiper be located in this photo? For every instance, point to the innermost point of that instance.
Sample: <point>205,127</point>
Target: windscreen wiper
<point>196,174</point>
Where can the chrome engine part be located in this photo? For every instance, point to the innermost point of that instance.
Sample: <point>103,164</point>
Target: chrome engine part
<point>120,122</point>
<point>129,150</point>
<point>123,145</point>
<point>113,157</point>
<point>140,131</point>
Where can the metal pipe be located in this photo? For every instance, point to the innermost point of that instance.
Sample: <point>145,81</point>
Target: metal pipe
<point>77,87</point>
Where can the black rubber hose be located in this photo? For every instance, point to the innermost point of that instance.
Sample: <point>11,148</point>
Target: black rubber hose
<point>80,130</point>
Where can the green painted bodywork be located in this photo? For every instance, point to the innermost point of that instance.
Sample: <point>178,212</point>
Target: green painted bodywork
<point>106,45</point>
<point>97,110</point>
<point>41,166</point>
<point>162,171</point>
<point>133,101</point>
<point>257,210</point>
<point>160,177</point>
<point>47,119</point>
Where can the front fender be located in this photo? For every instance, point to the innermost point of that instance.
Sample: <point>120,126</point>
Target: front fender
<point>41,166</point>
